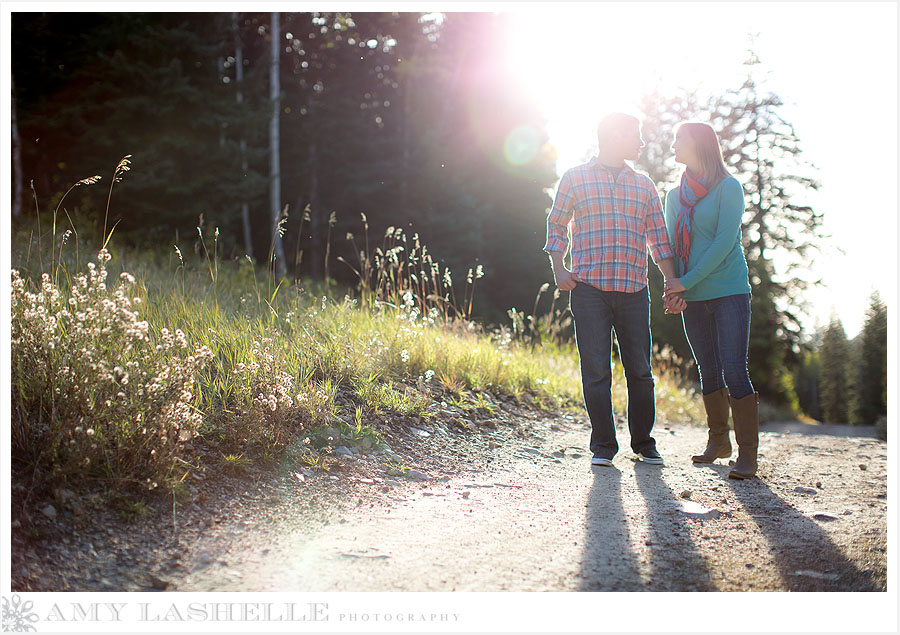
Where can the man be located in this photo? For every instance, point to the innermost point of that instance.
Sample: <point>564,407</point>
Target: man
<point>614,214</point>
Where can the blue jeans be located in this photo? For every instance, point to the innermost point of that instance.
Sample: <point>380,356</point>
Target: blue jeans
<point>718,331</point>
<point>596,314</point>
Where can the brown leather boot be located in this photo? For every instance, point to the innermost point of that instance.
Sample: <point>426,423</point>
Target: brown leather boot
<point>718,446</point>
<point>745,412</point>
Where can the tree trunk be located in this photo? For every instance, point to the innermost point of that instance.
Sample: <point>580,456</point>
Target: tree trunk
<point>16,158</point>
<point>239,79</point>
<point>221,62</point>
<point>274,146</point>
<point>316,246</point>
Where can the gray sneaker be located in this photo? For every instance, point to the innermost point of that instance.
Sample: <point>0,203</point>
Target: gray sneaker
<point>599,460</point>
<point>651,456</point>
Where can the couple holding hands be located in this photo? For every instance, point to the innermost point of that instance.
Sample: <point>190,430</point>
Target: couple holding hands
<point>614,215</point>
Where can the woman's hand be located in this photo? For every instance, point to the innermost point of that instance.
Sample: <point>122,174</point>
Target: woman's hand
<point>673,285</point>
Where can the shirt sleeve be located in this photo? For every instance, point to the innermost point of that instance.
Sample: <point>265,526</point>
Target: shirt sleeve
<point>655,223</point>
<point>728,230</point>
<point>560,216</point>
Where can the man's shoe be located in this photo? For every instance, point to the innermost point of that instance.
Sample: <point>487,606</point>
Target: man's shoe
<point>599,460</point>
<point>651,456</point>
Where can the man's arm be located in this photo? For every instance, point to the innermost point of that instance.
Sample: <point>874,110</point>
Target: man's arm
<point>667,267</point>
<point>674,302</point>
<point>657,236</point>
<point>558,235</point>
<point>661,251</point>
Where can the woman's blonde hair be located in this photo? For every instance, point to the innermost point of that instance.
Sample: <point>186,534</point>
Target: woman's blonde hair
<point>709,152</point>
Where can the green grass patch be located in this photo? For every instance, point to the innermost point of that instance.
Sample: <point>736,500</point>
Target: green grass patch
<point>121,364</point>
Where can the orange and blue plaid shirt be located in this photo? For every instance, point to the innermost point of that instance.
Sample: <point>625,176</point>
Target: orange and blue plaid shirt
<point>613,221</point>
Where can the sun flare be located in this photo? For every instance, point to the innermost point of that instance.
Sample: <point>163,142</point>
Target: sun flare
<point>576,68</point>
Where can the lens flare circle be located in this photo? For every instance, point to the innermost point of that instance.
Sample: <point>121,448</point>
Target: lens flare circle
<point>521,145</point>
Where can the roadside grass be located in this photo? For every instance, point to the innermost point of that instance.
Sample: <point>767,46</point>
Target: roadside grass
<point>119,376</point>
<point>677,400</point>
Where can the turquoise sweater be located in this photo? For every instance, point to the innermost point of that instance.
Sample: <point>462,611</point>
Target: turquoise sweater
<point>716,267</point>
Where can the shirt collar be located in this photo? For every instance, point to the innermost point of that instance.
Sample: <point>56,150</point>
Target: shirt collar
<point>595,163</point>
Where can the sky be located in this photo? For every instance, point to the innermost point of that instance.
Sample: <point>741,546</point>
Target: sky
<point>833,64</point>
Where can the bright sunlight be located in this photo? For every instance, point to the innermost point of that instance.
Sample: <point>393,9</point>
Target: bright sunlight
<point>578,62</point>
<point>578,66</point>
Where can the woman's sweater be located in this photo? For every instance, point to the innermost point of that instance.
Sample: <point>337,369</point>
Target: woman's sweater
<point>716,267</point>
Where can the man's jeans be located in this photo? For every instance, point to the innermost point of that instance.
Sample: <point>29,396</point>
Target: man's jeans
<point>596,313</point>
<point>718,331</point>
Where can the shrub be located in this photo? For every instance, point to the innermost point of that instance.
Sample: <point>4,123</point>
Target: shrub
<point>272,404</point>
<point>96,392</point>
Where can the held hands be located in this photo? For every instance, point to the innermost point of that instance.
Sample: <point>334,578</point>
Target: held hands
<point>674,303</point>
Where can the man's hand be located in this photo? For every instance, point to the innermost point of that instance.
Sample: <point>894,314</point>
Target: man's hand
<point>565,279</point>
<point>672,295</point>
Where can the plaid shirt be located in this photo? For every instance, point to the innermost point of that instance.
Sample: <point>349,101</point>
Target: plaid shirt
<point>613,222</point>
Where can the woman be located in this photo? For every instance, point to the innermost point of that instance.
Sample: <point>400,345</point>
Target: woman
<point>703,218</point>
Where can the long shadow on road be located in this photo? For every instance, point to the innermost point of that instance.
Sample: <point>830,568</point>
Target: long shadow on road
<point>675,562</point>
<point>608,561</point>
<point>795,540</point>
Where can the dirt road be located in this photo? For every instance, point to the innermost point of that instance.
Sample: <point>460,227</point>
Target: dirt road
<point>539,517</point>
<point>511,505</point>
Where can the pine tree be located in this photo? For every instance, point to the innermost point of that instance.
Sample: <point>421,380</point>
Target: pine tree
<point>341,105</point>
<point>395,115</point>
<point>145,84</point>
<point>808,376</point>
<point>807,384</point>
<point>405,130</point>
<point>834,384</point>
<point>870,386</point>
<point>762,150</point>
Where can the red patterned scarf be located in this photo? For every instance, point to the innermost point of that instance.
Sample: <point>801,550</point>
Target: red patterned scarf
<point>690,191</point>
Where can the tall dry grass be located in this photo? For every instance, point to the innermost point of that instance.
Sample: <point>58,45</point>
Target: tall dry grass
<point>123,381</point>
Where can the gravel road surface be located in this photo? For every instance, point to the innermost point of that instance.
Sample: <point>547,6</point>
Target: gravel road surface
<point>512,505</point>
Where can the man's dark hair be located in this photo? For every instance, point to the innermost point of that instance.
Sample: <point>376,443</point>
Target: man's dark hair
<point>613,123</point>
